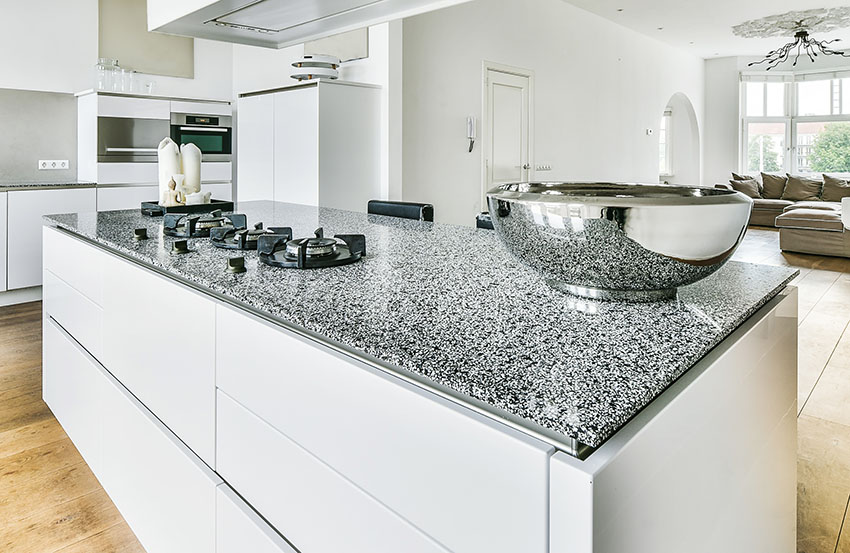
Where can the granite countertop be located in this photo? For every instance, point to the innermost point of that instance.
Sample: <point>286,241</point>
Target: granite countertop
<point>450,306</point>
<point>6,186</point>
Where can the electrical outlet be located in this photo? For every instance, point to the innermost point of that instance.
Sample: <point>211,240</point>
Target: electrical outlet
<point>53,164</point>
<point>543,168</point>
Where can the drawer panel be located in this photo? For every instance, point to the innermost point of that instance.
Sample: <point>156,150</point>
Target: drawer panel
<point>81,317</point>
<point>140,108</point>
<point>222,191</point>
<point>163,490</point>
<point>318,510</point>
<point>127,173</point>
<point>125,197</point>
<point>216,171</point>
<point>73,387</point>
<point>74,261</point>
<point>201,108</point>
<point>158,341</point>
<point>238,529</point>
<point>479,487</point>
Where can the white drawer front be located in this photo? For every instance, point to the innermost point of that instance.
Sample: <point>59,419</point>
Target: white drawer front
<point>471,483</point>
<point>158,340</point>
<point>125,197</point>
<point>77,263</point>
<point>127,173</point>
<point>238,529</point>
<point>139,108</point>
<point>73,388</point>
<point>317,510</point>
<point>201,108</point>
<point>222,191</point>
<point>166,494</point>
<point>77,314</point>
<point>216,171</point>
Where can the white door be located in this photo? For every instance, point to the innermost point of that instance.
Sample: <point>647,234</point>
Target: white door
<point>506,128</point>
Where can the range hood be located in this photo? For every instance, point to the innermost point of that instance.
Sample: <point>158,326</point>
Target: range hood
<point>278,23</point>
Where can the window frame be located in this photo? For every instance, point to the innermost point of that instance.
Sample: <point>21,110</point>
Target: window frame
<point>790,119</point>
<point>667,118</point>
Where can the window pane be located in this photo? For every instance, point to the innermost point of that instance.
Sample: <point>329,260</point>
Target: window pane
<point>775,99</point>
<point>845,96</point>
<point>755,99</point>
<point>823,147</point>
<point>813,98</point>
<point>765,147</point>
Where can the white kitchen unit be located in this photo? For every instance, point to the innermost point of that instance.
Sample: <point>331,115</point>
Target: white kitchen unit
<point>240,432</point>
<point>278,23</point>
<point>324,140</point>
<point>124,184</point>
<point>25,209</point>
<point>3,233</point>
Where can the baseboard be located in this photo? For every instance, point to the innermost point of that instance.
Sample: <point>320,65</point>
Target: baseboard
<point>23,295</point>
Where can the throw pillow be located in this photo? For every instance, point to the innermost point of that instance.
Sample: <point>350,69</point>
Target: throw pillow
<point>773,185</point>
<point>802,189</point>
<point>834,189</point>
<point>749,187</point>
<point>756,177</point>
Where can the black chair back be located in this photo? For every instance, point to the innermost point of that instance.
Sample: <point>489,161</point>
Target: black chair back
<point>405,210</point>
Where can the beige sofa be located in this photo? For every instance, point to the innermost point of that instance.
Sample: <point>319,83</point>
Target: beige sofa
<point>823,230</point>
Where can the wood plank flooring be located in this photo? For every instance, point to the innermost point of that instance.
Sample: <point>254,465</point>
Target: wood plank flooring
<point>51,502</point>
<point>49,499</point>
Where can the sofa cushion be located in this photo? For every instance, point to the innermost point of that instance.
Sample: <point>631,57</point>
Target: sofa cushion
<point>834,189</point>
<point>749,187</point>
<point>811,219</point>
<point>756,177</point>
<point>773,185</point>
<point>830,206</point>
<point>774,205</point>
<point>802,189</point>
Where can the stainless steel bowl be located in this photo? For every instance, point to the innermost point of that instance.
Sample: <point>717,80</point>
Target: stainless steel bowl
<point>632,242</point>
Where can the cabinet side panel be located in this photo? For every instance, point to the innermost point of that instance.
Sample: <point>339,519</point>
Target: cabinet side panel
<point>255,148</point>
<point>296,146</point>
<point>570,507</point>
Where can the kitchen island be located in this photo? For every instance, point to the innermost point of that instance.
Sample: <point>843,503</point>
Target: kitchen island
<point>433,396</point>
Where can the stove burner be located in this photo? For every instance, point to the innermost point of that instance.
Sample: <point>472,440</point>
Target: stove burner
<point>181,225</point>
<point>280,250</point>
<point>232,238</point>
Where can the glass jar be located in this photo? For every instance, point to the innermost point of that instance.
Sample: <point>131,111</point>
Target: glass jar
<point>117,77</point>
<point>103,74</point>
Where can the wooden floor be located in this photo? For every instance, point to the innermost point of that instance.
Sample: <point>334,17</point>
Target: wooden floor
<point>50,501</point>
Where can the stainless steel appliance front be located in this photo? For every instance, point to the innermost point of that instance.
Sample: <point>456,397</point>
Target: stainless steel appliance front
<point>213,134</point>
<point>124,139</point>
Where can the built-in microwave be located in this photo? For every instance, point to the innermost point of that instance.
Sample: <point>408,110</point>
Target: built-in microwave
<point>213,134</point>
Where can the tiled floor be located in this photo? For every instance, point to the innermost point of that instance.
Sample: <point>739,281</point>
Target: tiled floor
<point>50,501</point>
<point>823,458</point>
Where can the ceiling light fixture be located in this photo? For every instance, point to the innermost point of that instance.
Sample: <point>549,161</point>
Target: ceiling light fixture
<point>802,44</point>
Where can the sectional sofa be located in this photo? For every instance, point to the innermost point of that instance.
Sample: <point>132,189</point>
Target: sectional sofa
<point>807,210</point>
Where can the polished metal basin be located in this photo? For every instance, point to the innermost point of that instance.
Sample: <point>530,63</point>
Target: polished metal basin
<point>632,242</point>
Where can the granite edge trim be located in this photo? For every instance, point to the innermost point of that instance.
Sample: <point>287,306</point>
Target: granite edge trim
<point>45,186</point>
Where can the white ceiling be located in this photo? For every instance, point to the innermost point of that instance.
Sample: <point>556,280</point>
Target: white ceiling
<point>704,27</point>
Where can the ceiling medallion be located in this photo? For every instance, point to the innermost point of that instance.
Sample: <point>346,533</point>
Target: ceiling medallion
<point>800,23</point>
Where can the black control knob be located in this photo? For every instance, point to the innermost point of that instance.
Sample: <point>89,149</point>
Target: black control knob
<point>236,265</point>
<point>180,246</point>
<point>140,234</point>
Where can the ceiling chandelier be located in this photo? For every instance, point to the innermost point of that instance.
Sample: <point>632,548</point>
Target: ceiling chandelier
<point>803,44</point>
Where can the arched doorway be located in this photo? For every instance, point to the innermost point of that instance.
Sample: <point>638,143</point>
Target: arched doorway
<point>679,143</point>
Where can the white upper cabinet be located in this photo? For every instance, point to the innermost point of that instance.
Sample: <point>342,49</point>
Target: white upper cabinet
<point>278,23</point>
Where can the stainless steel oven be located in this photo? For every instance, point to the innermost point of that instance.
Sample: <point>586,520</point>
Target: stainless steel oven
<point>213,134</point>
<point>123,139</point>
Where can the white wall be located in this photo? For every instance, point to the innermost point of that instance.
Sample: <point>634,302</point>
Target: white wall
<point>598,86</point>
<point>48,45</point>
<point>685,147</point>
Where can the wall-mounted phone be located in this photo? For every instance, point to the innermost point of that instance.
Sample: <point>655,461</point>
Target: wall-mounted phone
<point>470,131</point>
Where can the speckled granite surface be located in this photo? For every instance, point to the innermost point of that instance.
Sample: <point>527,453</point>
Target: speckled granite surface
<point>451,305</point>
<point>5,186</point>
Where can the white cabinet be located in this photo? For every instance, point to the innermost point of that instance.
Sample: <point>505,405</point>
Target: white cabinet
<point>136,108</point>
<point>479,487</point>
<point>324,140</point>
<point>26,208</point>
<point>238,529</point>
<point>255,148</point>
<point>201,108</point>
<point>3,228</point>
<point>316,508</point>
<point>159,341</point>
<point>125,197</point>
<point>221,191</point>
